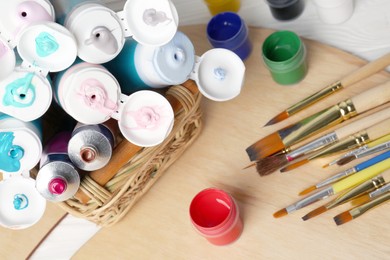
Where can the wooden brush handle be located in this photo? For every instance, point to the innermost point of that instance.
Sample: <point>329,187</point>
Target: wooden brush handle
<point>362,123</point>
<point>125,150</point>
<point>372,98</point>
<point>378,130</point>
<point>366,71</point>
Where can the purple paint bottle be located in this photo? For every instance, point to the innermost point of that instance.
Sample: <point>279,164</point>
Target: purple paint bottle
<point>57,178</point>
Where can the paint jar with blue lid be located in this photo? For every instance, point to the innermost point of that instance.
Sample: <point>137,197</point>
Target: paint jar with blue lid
<point>14,17</point>
<point>101,32</point>
<point>44,47</point>
<point>284,54</point>
<point>57,178</point>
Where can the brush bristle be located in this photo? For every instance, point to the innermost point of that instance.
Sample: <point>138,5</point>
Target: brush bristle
<point>308,190</point>
<point>280,213</point>
<point>265,147</point>
<point>280,117</point>
<point>361,200</point>
<point>270,164</point>
<point>294,165</point>
<point>345,160</point>
<point>314,213</point>
<point>343,218</point>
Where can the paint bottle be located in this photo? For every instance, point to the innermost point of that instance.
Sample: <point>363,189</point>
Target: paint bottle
<point>219,6</point>
<point>90,147</point>
<point>21,205</point>
<point>216,216</point>
<point>21,144</point>
<point>26,92</point>
<point>57,179</point>
<point>101,32</point>
<point>285,10</point>
<point>284,54</point>
<point>175,63</point>
<point>334,11</point>
<point>14,17</point>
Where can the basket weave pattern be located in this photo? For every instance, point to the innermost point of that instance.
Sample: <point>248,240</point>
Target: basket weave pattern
<point>110,203</point>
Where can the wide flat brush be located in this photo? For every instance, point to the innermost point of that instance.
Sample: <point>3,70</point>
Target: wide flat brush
<point>124,151</point>
<point>356,140</point>
<point>356,76</point>
<point>286,137</point>
<point>347,172</point>
<point>356,212</point>
<point>361,189</point>
<point>271,163</point>
<point>337,187</point>
<point>377,145</point>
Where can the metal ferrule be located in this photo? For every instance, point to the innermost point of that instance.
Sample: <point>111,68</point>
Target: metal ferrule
<point>322,194</point>
<point>373,150</point>
<point>328,90</point>
<point>349,142</point>
<point>380,191</point>
<point>317,122</point>
<point>336,177</point>
<point>313,146</point>
<point>365,187</point>
<point>355,212</point>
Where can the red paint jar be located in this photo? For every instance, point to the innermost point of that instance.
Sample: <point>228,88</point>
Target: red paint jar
<point>215,215</point>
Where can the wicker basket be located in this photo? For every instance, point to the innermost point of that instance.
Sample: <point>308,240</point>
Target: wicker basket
<point>110,203</point>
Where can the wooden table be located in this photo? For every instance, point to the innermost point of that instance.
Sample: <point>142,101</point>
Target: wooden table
<point>158,226</point>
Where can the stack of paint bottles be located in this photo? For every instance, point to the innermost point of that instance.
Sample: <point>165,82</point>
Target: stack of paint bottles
<point>104,70</point>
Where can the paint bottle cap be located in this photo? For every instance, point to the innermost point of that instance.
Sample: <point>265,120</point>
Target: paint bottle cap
<point>25,95</point>
<point>145,118</point>
<point>48,46</point>
<point>27,148</point>
<point>21,205</point>
<point>7,59</point>
<point>19,14</point>
<point>219,74</point>
<point>152,22</point>
<point>100,32</point>
<point>89,93</point>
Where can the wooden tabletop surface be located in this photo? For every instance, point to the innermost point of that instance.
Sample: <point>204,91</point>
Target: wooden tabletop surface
<point>158,226</point>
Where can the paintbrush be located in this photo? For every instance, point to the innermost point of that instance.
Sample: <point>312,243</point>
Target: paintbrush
<point>357,75</point>
<point>377,145</point>
<point>125,150</point>
<point>356,212</point>
<point>284,138</point>
<point>358,139</point>
<point>373,194</point>
<point>337,187</point>
<point>271,163</point>
<point>347,172</point>
<point>359,190</point>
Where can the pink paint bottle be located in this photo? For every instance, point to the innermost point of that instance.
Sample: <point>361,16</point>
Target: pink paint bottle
<point>215,215</point>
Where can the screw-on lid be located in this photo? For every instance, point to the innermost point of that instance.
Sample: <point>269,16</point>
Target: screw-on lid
<point>25,95</point>
<point>47,45</point>
<point>152,22</point>
<point>98,32</point>
<point>21,204</point>
<point>7,59</point>
<point>219,74</point>
<point>145,118</point>
<point>89,94</point>
<point>18,14</point>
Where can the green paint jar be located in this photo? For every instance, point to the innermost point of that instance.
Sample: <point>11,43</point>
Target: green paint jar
<point>284,54</point>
